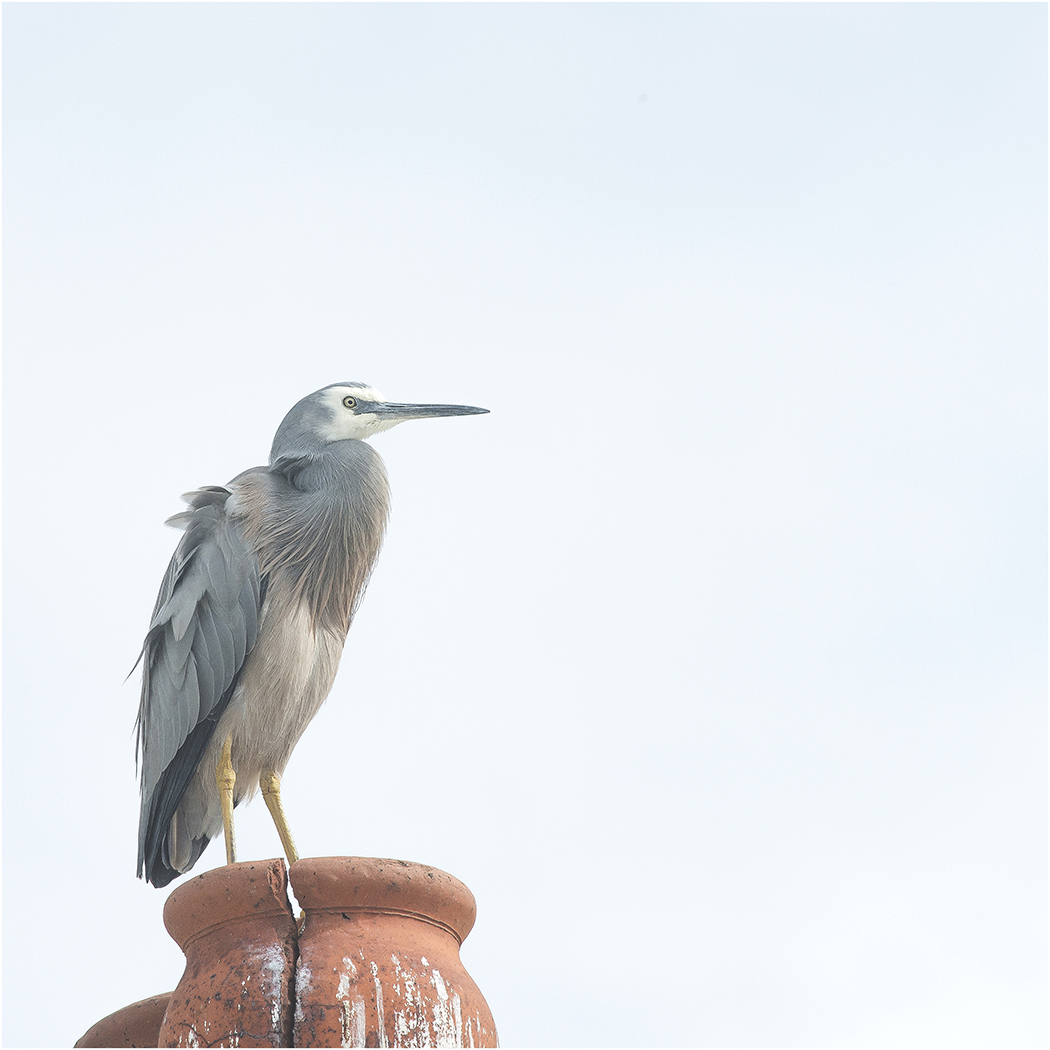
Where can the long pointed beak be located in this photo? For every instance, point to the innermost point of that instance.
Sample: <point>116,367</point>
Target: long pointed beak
<point>387,410</point>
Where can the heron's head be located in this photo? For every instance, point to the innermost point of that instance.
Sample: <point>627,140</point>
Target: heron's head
<point>346,411</point>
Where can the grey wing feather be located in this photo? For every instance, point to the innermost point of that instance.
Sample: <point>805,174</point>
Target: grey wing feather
<point>204,625</point>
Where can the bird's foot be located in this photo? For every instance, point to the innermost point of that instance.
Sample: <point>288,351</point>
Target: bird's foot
<point>225,778</point>
<point>270,783</point>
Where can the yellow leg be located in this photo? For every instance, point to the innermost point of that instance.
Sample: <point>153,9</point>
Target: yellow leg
<point>225,778</point>
<point>270,783</point>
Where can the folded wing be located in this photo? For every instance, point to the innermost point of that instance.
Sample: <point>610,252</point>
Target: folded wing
<point>204,625</point>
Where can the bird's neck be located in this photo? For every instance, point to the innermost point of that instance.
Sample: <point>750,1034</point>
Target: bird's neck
<point>328,527</point>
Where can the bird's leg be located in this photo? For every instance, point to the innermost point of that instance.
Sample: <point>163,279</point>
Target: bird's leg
<point>270,783</point>
<point>225,778</point>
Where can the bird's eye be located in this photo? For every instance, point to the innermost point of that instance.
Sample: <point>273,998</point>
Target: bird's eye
<point>350,402</point>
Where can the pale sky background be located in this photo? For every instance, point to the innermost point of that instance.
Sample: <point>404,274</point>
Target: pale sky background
<point>713,660</point>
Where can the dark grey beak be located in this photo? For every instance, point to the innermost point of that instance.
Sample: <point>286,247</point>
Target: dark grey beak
<point>386,410</point>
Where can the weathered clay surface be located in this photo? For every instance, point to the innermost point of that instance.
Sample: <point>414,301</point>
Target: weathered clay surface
<point>134,1025</point>
<point>236,927</point>
<point>379,957</point>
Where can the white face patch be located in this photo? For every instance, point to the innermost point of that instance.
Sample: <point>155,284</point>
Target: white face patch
<point>353,423</point>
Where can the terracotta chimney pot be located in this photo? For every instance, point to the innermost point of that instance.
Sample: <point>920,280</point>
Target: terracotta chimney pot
<point>134,1025</point>
<point>379,957</point>
<point>374,962</point>
<point>238,932</point>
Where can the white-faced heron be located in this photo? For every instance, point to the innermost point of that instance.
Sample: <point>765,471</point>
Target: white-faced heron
<point>251,619</point>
